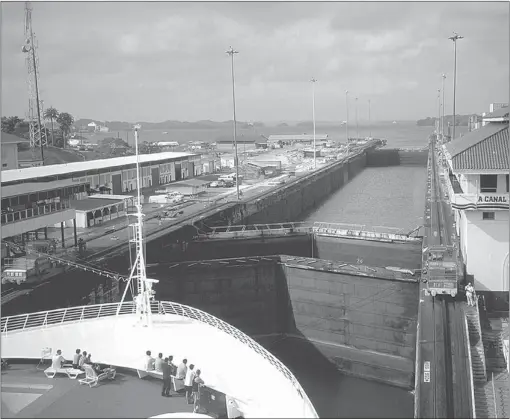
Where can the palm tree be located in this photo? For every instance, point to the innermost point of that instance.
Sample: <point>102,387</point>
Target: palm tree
<point>52,114</point>
<point>65,121</point>
<point>9,123</point>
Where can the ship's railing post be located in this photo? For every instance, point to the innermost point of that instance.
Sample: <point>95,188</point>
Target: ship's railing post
<point>82,313</point>
<point>45,322</point>
<point>26,320</point>
<point>99,312</point>
<point>64,316</point>
<point>5,326</point>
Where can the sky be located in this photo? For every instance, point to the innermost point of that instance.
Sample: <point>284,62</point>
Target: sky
<point>136,61</point>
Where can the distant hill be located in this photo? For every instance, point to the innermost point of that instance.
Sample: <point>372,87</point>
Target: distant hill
<point>170,124</point>
<point>460,120</point>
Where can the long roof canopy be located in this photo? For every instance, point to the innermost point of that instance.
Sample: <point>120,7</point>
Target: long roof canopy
<point>83,166</point>
<point>485,149</point>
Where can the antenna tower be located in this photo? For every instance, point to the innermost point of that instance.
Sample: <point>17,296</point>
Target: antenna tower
<point>35,105</point>
<point>144,294</point>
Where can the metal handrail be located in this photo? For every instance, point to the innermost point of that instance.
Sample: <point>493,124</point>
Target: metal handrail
<point>15,216</point>
<point>494,398</point>
<point>77,314</point>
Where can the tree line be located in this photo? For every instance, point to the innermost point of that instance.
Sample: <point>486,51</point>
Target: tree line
<point>59,138</point>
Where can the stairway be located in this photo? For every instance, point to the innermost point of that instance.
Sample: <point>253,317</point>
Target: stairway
<point>493,345</point>
<point>483,394</point>
<point>476,344</point>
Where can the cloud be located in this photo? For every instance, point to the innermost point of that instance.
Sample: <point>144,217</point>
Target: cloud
<point>152,61</point>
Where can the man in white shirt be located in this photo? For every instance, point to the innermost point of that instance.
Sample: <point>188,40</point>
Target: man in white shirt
<point>149,361</point>
<point>158,365</point>
<point>182,369</point>
<point>57,360</point>
<point>188,383</point>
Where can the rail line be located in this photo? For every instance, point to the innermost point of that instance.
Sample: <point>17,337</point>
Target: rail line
<point>445,391</point>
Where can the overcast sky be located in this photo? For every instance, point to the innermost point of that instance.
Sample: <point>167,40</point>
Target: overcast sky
<point>156,61</point>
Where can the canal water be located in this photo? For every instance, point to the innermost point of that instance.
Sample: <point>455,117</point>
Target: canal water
<point>389,197</point>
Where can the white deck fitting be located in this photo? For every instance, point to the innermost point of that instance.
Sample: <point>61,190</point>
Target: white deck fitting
<point>228,364</point>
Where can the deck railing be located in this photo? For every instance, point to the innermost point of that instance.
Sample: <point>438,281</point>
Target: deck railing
<point>77,314</point>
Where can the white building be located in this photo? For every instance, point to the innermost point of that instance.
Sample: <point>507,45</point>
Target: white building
<point>10,150</point>
<point>476,172</point>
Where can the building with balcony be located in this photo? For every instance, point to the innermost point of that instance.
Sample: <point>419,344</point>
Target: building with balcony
<point>39,197</point>
<point>476,169</point>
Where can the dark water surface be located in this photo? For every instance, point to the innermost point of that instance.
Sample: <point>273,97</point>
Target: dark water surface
<point>336,395</point>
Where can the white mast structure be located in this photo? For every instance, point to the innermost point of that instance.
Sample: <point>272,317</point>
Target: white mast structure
<point>144,295</point>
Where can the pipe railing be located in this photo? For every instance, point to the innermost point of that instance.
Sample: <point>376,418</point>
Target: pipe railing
<point>70,315</point>
<point>15,216</point>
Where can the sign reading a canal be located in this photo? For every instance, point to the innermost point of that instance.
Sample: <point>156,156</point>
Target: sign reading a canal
<point>493,199</point>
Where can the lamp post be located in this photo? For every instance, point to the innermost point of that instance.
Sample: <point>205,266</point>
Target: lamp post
<point>454,38</point>
<point>231,52</point>
<point>347,119</point>
<point>369,124</point>
<point>438,113</point>
<point>313,117</point>
<point>442,116</point>
<point>357,127</point>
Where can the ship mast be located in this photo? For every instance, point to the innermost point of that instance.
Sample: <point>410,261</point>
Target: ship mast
<point>144,295</point>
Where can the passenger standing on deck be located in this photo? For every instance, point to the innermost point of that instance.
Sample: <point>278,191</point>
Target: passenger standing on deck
<point>197,383</point>
<point>188,383</point>
<point>57,360</point>
<point>167,379</point>
<point>76,359</point>
<point>182,369</point>
<point>158,365</point>
<point>470,294</point>
<point>173,367</point>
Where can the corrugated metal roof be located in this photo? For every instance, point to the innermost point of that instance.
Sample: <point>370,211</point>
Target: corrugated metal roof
<point>484,149</point>
<point>82,166</point>
<point>11,139</point>
<point>298,137</point>
<point>472,138</point>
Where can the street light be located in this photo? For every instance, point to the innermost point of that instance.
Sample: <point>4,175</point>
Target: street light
<point>454,38</point>
<point>313,116</point>
<point>442,117</point>
<point>369,125</point>
<point>438,113</point>
<point>347,119</point>
<point>357,128</point>
<point>231,52</point>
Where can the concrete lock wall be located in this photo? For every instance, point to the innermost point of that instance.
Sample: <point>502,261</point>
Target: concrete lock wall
<point>396,157</point>
<point>365,326</point>
<point>371,253</point>
<point>242,292</point>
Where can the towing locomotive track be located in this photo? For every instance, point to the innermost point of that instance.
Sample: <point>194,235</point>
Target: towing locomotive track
<point>442,376</point>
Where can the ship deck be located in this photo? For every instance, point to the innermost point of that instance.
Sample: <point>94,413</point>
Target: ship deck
<point>26,392</point>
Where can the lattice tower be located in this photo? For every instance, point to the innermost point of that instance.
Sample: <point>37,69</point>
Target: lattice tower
<point>35,105</point>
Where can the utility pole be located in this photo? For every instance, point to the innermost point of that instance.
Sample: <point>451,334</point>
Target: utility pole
<point>313,116</point>
<point>454,38</point>
<point>442,117</point>
<point>369,123</point>
<point>438,113</point>
<point>357,127</point>
<point>231,52</point>
<point>347,119</point>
